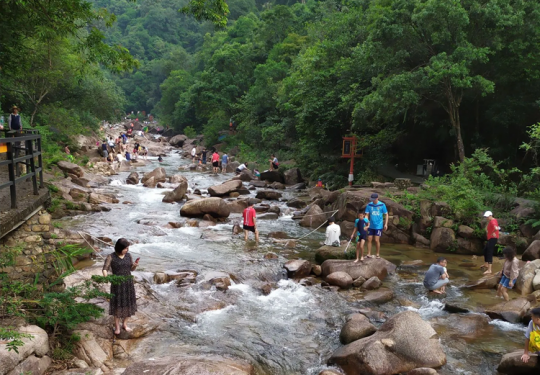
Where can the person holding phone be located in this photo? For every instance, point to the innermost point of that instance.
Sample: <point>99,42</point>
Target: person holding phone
<point>123,302</point>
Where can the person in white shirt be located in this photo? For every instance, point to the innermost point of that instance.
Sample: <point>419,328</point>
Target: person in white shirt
<point>193,154</point>
<point>241,167</point>
<point>333,231</point>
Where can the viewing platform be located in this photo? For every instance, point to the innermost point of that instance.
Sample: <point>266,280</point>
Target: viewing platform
<point>22,191</point>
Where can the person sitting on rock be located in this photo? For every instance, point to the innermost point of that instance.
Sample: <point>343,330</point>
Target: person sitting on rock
<point>128,156</point>
<point>436,277</point>
<point>532,344</point>
<point>319,183</point>
<point>509,273</point>
<point>333,231</point>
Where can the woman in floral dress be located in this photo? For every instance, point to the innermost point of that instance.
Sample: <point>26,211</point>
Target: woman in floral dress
<point>123,301</point>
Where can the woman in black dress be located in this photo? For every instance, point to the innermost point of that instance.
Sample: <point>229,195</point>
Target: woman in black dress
<point>123,301</point>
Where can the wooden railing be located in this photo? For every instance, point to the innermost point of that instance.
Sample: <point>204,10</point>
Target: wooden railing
<point>31,139</point>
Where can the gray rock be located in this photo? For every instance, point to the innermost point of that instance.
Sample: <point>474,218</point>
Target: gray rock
<point>372,283</point>
<point>357,327</point>
<point>512,364</point>
<point>341,279</point>
<point>393,348</point>
<point>297,269</point>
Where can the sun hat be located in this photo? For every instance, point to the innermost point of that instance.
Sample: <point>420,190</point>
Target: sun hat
<point>488,214</point>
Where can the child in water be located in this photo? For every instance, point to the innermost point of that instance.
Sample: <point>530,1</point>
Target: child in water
<point>509,273</point>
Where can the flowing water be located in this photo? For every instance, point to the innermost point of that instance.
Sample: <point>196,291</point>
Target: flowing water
<point>295,328</point>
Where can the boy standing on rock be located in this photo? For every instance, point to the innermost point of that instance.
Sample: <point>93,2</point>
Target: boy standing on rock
<point>375,210</point>
<point>361,226</point>
<point>250,221</point>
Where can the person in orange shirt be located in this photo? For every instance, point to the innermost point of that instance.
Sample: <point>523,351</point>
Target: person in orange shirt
<point>492,230</point>
<point>250,221</point>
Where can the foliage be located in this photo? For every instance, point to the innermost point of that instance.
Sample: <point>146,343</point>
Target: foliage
<point>13,338</point>
<point>56,311</point>
<point>190,132</point>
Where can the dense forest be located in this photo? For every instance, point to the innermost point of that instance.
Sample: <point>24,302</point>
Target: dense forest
<point>413,79</point>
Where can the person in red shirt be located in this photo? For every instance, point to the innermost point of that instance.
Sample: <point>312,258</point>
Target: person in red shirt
<point>215,161</point>
<point>492,230</point>
<point>250,221</point>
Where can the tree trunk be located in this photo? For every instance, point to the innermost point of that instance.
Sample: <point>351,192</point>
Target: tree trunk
<point>453,112</point>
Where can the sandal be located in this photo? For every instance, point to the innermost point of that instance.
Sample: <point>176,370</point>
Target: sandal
<point>369,256</point>
<point>378,257</point>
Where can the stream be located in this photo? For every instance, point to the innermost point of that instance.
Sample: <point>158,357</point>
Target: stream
<point>294,329</point>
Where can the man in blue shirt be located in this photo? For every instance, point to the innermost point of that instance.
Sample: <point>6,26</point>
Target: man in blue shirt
<point>224,162</point>
<point>375,210</point>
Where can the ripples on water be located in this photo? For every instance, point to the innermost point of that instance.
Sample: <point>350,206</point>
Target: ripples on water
<point>294,329</point>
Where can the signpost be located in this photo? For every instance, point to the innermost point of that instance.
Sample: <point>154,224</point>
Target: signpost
<point>350,151</point>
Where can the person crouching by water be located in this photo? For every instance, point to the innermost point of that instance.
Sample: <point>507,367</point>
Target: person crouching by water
<point>437,277</point>
<point>333,231</point>
<point>509,273</point>
<point>123,302</point>
<point>250,221</point>
<point>532,344</point>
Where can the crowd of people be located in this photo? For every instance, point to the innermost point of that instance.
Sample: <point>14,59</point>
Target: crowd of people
<point>119,149</point>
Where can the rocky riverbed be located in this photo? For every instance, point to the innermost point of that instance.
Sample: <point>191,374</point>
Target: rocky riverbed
<point>211,303</point>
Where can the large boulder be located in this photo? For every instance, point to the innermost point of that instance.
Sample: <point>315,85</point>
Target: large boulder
<point>393,348</point>
<point>225,188</point>
<point>272,176</point>
<point>340,279</point>
<point>512,364</point>
<point>536,280</point>
<point>237,206</point>
<point>512,311</point>
<point>70,168</point>
<point>367,269</point>
<point>95,198</point>
<point>296,203</point>
<point>38,344</point>
<point>231,166</point>
<point>190,365</point>
<point>532,252</point>
<point>178,140</point>
<point>524,283</point>
<point>331,252</point>
<point>379,296</point>
<point>297,268</point>
<point>372,283</point>
<point>32,366</point>
<point>357,327</point>
<point>485,282</point>
<point>293,176</point>
<point>159,175</point>
<point>268,195</point>
<point>89,350</point>
<point>314,217</point>
<point>150,183</point>
<point>246,175</point>
<point>178,193</point>
<point>443,240</point>
<point>133,178</point>
<point>216,207</point>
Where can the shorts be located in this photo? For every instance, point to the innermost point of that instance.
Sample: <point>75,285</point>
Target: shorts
<point>223,165</point>
<point>275,166</point>
<point>238,170</point>
<point>361,237</point>
<point>215,164</point>
<point>505,282</point>
<point>105,153</point>
<point>375,232</point>
<point>250,228</point>
<point>439,284</point>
